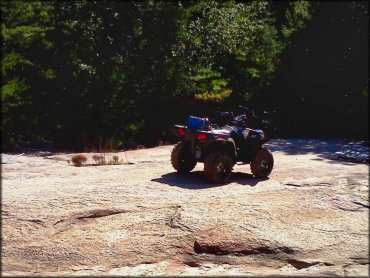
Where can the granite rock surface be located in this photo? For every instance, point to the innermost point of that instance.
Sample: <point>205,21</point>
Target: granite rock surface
<point>310,217</point>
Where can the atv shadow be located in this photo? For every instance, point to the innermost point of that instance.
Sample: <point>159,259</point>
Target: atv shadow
<point>196,180</point>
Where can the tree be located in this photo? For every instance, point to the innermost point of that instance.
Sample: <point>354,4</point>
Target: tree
<point>237,46</point>
<point>88,72</point>
<point>25,67</point>
<point>322,87</point>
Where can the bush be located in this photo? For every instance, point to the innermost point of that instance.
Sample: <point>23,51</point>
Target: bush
<point>99,159</point>
<point>79,160</point>
<point>115,159</point>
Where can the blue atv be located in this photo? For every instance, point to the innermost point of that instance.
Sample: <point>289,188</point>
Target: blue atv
<point>221,147</point>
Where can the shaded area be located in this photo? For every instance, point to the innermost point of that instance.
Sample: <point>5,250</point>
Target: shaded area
<point>322,85</point>
<point>305,145</point>
<point>196,180</point>
<point>324,148</point>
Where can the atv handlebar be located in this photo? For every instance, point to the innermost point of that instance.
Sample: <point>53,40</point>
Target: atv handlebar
<point>248,111</point>
<point>248,118</point>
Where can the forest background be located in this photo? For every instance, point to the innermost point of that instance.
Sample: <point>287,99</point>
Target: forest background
<point>83,74</point>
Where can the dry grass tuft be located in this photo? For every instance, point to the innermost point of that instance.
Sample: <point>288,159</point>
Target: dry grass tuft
<point>79,160</point>
<point>99,159</point>
<point>103,160</point>
<point>115,159</point>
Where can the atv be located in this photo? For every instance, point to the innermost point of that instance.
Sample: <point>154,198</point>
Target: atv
<point>220,148</point>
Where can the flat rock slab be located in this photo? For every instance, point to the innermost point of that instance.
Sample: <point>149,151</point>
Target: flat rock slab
<point>309,218</point>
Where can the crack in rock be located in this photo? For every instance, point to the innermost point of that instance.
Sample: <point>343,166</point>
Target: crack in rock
<point>32,220</point>
<point>361,204</point>
<point>99,213</point>
<point>35,221</point>
<point>96,213</point>
<point>192,264</point>
<point>216,249</point>
<point>301,264</point>
<point>286,249</point>
<point>59,221</point>
<point>306,184</point>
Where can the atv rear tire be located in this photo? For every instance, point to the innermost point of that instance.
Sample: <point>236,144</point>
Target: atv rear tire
<point>262,164</point>
<point>218,167</point>
<point>181,158</point>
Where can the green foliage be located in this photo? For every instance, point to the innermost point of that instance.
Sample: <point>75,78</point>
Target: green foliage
<point>296,14</point>
<point>11,91</point>
<point>95,67</point>
<point>25,65</point>
<point>239,42</point>
<point>86,72</point>
<point>216,96</point>
<point>11,60</point>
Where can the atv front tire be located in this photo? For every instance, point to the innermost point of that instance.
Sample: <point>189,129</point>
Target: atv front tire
<point>218,167</point>
<point>181,158</point>
<point>262,164</point>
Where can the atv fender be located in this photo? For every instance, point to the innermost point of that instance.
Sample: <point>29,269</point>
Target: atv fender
<point>226,144</point>
<point>232,147</point>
